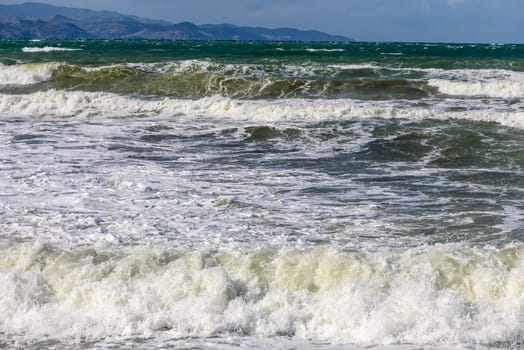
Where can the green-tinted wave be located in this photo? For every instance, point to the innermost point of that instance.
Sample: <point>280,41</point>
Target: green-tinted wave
<point>253,70</point>
<point>229,82</point>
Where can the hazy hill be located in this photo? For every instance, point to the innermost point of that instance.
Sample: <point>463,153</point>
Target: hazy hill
<point>38,21</point>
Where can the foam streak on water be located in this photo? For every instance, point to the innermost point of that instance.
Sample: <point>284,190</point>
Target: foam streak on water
<point>47,49</point>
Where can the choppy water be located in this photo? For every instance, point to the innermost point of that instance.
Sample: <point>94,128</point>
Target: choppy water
<point>261,195</point>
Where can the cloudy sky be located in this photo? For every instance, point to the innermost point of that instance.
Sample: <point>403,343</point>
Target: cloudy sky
<point>491,21</point>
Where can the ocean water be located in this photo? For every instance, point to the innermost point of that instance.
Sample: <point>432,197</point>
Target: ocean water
<point>243,195</point>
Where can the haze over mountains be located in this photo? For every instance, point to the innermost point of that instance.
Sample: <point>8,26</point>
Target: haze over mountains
<point>42,21</point>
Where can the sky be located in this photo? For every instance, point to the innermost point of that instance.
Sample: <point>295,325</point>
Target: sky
<point>486,21</point>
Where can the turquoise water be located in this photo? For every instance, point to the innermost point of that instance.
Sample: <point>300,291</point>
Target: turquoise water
<point>254,195</point>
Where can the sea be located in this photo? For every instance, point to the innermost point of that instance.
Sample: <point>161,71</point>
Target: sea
<point>261,195</point>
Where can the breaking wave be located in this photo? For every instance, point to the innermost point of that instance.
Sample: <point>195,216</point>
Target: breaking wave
<point>497,89</point>
<point>91,104</point>
<point>26,74</point>
<point>443,294</point>
<point>195,79</point>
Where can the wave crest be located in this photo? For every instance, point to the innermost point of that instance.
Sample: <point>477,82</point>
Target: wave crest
<point>106,105</point>
<point>444,294</point>
<point>497,89</point>
<point>26,74</point>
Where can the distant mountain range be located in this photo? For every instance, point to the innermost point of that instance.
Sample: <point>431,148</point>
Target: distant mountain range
<point>43,21</point>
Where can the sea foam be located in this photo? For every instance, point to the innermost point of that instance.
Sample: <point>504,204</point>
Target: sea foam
<point>77,103</point>
<point>47,49</point>
<point>447,294</point>
<point>493,88</point>
<point>26,74</point>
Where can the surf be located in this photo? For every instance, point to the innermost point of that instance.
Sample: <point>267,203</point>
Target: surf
<point>447,294</point>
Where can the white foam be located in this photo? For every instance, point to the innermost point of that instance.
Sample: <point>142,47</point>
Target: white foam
<point>324,50</point>
<point>83,104</point>
<point>446,294</point>
<point>26,74</point>
<point>47,49</point>
<point>497,83</point>
<point>307,70</point>
<point>355,66</point>
<point>229,69</point>
<point>493,88</point>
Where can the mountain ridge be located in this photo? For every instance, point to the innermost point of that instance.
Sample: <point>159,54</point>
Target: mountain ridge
<point>33,20</point>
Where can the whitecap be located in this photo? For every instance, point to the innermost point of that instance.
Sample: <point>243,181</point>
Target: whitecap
<point>324,50</point>
<point>448,294</point>
<point>54,103</point>
<point>47,49</point>
<point>490,88</point>
<point>25,74</point>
